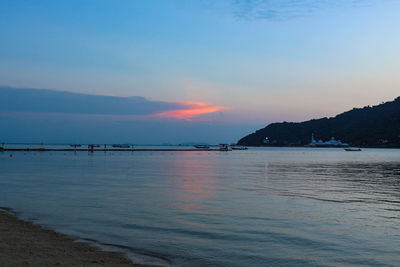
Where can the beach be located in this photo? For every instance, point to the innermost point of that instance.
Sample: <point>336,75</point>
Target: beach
<point>23,243</point>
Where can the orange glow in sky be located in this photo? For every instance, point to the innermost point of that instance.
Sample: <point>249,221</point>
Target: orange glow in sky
<point>190,109</point>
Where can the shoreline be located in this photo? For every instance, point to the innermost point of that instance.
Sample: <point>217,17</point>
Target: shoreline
<point>23,243</point>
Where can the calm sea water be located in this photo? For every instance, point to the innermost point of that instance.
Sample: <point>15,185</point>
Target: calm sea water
<point>277,206</point>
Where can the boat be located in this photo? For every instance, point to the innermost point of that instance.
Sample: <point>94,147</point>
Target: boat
<point>202,146</point>
<point>331,143</point>
<point>239,148</point>
<point>121,146</point>
<point>352,149</point>
<point>75,145</point>
<point>223,147</point>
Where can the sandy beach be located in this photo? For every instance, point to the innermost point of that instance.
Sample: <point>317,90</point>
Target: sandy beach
<point>26,244</point>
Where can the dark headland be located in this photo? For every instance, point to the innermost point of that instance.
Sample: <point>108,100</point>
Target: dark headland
<point>371,126</point>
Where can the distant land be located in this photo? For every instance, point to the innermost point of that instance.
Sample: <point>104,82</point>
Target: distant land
<point>376,126</point>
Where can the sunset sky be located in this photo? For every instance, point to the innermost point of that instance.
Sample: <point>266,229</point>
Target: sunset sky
<point>202,71</point>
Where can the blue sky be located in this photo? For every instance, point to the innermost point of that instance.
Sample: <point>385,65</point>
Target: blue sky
<point>249,62</point>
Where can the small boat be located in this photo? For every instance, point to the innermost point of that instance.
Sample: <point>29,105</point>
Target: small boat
<point>121,146</point>
<point>352,149</point>
<point>223,147</point>
<point>75,145</point>
<point>202,146</point>
<point>239,148</point>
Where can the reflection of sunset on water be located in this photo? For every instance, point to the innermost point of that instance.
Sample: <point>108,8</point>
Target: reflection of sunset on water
<point>195,185</point>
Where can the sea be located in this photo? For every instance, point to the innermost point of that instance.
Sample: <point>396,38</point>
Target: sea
<point>257,207</point>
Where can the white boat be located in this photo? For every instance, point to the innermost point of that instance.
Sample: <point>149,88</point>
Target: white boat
<point>331,143</point>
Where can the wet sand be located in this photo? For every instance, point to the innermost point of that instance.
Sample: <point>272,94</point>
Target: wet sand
<point>26,244</point>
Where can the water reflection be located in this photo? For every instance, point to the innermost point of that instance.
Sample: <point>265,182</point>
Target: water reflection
<point>195,184</point>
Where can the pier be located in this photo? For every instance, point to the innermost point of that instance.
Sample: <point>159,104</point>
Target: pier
<point>108,149</point>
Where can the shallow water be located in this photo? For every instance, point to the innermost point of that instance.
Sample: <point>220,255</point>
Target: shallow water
<point>275,206</point>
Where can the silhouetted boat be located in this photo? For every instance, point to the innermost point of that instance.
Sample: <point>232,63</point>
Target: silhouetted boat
<point>121,146</point>
<point>352,149</point>
<point>223,147</point>
<point>75,145</point>
<point>202,146</point>
<point>239,148</point>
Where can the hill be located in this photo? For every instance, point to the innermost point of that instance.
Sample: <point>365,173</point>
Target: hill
<point>376,126</point>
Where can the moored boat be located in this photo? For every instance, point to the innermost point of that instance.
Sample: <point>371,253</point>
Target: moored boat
<point>202,146</point>
<point>239,148</point>
<point>121,146</point>
<point>224,147</point>
<point>352,149</point>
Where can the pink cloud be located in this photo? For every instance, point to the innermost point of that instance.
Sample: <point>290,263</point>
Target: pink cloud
<point>190,109</point>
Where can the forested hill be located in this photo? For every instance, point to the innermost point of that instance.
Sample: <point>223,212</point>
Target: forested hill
<point>376,126</point>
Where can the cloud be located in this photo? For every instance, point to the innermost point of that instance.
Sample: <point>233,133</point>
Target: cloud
<point>26,100</point>
<point>289,9</point>
<point>190,109</point>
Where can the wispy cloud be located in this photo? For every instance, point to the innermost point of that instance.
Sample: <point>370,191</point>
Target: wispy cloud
<point>289,9</point>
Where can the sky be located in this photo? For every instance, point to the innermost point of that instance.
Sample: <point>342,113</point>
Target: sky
<point>195,71</point>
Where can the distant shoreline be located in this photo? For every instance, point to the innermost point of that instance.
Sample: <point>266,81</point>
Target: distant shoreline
<point>25,243</point>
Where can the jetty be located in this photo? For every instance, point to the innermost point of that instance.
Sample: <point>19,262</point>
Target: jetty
<point>107,149</point>
<point>113,148</point>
